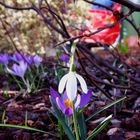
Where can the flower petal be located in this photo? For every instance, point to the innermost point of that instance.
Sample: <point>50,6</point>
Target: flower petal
<point>4,58</point>
<point>17,70</point>
<point>64,58</point>
<point>64,96</point>
<point>85,98</point>
<point>62,83</point>
<point>71,86</point>
<point>68,111</point>
<point>60,104</point>
<point>10,71</point>
<point>17,56</point>
<point>78,100</point>
<point>37,60</point>
<point>23,67</point>
<point>82,83</point>
<point>54,94</point>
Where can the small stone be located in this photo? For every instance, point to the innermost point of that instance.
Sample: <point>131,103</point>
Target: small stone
<point>39,105</point>
<point>115,134</point>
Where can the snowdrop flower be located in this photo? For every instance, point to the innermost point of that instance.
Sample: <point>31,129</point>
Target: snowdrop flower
<point>70,82</point>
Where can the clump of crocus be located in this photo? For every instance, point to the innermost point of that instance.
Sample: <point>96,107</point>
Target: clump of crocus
<point>20,70</point>
<point>65,104</point>
<point>29,59</point>
<point>21,64</point>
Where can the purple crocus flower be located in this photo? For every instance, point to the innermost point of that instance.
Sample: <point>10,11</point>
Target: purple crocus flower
<point>65,105</point>
<point>37,60</point>
<point>18,56</point>
<point>4,58</point>
<point>29,59</point>
<point>18,70</point>
<point>64,58</point>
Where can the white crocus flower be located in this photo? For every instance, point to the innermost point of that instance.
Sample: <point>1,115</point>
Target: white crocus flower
<point>70,82</point>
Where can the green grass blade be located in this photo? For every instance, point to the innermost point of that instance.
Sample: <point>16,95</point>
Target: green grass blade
<point>24,127</point>
<point>3,117</point>
<point>106,107</point>
<point>26,118</point>
<point>98,131</point>
<point>99,128</point>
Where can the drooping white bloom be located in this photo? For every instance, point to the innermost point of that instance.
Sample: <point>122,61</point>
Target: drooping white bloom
<point>70,82</point>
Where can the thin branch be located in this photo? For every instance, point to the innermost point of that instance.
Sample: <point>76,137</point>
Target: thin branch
<point>97,31</point>
<point>58,20</point>
<point>47,21</point>
<point>38,11</point>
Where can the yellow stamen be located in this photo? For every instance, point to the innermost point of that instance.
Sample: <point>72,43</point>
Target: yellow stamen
<point>68,103</point>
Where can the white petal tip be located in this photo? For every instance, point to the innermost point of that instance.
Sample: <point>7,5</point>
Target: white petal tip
<point>85,91</point>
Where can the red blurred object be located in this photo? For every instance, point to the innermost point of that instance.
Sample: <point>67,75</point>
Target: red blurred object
<point>102,18</point>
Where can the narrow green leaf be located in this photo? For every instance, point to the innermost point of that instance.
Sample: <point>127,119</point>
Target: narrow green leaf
<point>3,116</point>
<point>24,127</point>
<point>99,128</point>
<point>98,131</point>
<point>82,126</point>
<point>61,119</point>
<point>26,118</point>
<point>61,132</point>
<point>106,107</point>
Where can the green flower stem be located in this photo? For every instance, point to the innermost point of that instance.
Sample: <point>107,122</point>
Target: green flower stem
<point>72,66</point>
<point>75,122</point>
<point>27,85</point>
